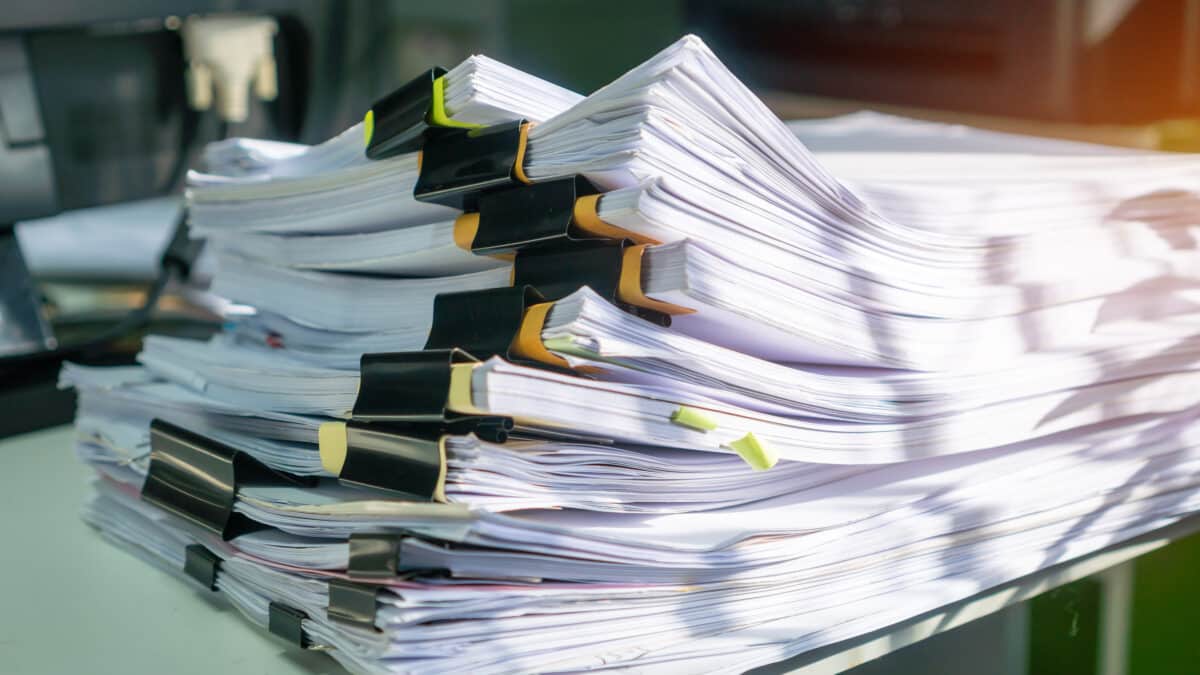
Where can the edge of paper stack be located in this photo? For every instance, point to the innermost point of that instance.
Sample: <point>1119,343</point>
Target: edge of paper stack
<point>521,380</point>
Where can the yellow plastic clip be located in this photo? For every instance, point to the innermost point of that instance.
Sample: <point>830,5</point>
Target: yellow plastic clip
<point>466,227</point>
<point>629,288</point>
<point>528,342</point>
<point>587,218</point>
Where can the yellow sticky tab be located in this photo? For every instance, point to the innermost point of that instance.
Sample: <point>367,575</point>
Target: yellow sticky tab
<point>757,455</point>
<point>629,284</point>
<point>437,108</point>
<point>693,419</point>
<point>332,444</point>
<point>565,344</point>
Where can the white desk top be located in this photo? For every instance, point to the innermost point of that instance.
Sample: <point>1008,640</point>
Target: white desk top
<point>71,602</point>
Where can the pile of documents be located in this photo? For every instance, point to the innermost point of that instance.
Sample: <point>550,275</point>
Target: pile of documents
<point>521,380</point>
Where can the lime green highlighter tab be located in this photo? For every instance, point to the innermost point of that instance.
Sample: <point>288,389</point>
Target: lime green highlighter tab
<point>693,419</point>
<point>758,455</point>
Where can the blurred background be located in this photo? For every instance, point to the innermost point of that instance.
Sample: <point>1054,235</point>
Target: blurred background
<point>105,105</point>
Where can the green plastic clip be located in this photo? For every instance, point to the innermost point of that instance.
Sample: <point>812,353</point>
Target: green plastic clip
<point>437,109</point>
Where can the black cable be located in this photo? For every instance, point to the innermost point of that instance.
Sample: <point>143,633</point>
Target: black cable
<point>189,124</point>
<point>176,262</point>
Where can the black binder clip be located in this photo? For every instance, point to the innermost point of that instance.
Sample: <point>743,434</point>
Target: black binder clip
<point>374,555</point>
<point>408,461</point>
<point>287,623</point>
<point>202,565</point>
<point>599,265</point>
<point>394,441</point>
<point>542,214</point>
<point>398,123</point>
<point>352,603</point>
<point>196,478</point>
<point>483,323</point>
<point>457,165</point>
<point>557,273</point>
<point>413,387</point>
<point>406,386</point>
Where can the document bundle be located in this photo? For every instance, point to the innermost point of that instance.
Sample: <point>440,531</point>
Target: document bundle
<point>520,380</point>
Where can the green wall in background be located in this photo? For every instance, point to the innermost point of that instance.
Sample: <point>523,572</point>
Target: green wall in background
<point>583,45</point>
<point>1064,630</point>
<point>1166,611</point>
<point>1163,639</point>
<point>579,45</point>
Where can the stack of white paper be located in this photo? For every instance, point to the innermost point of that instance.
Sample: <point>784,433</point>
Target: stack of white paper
<point>906,363</point>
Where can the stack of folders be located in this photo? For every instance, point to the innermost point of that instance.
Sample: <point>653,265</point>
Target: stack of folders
<point>520,380</point>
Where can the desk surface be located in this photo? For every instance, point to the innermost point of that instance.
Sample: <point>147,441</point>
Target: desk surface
<point>74,603</point>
